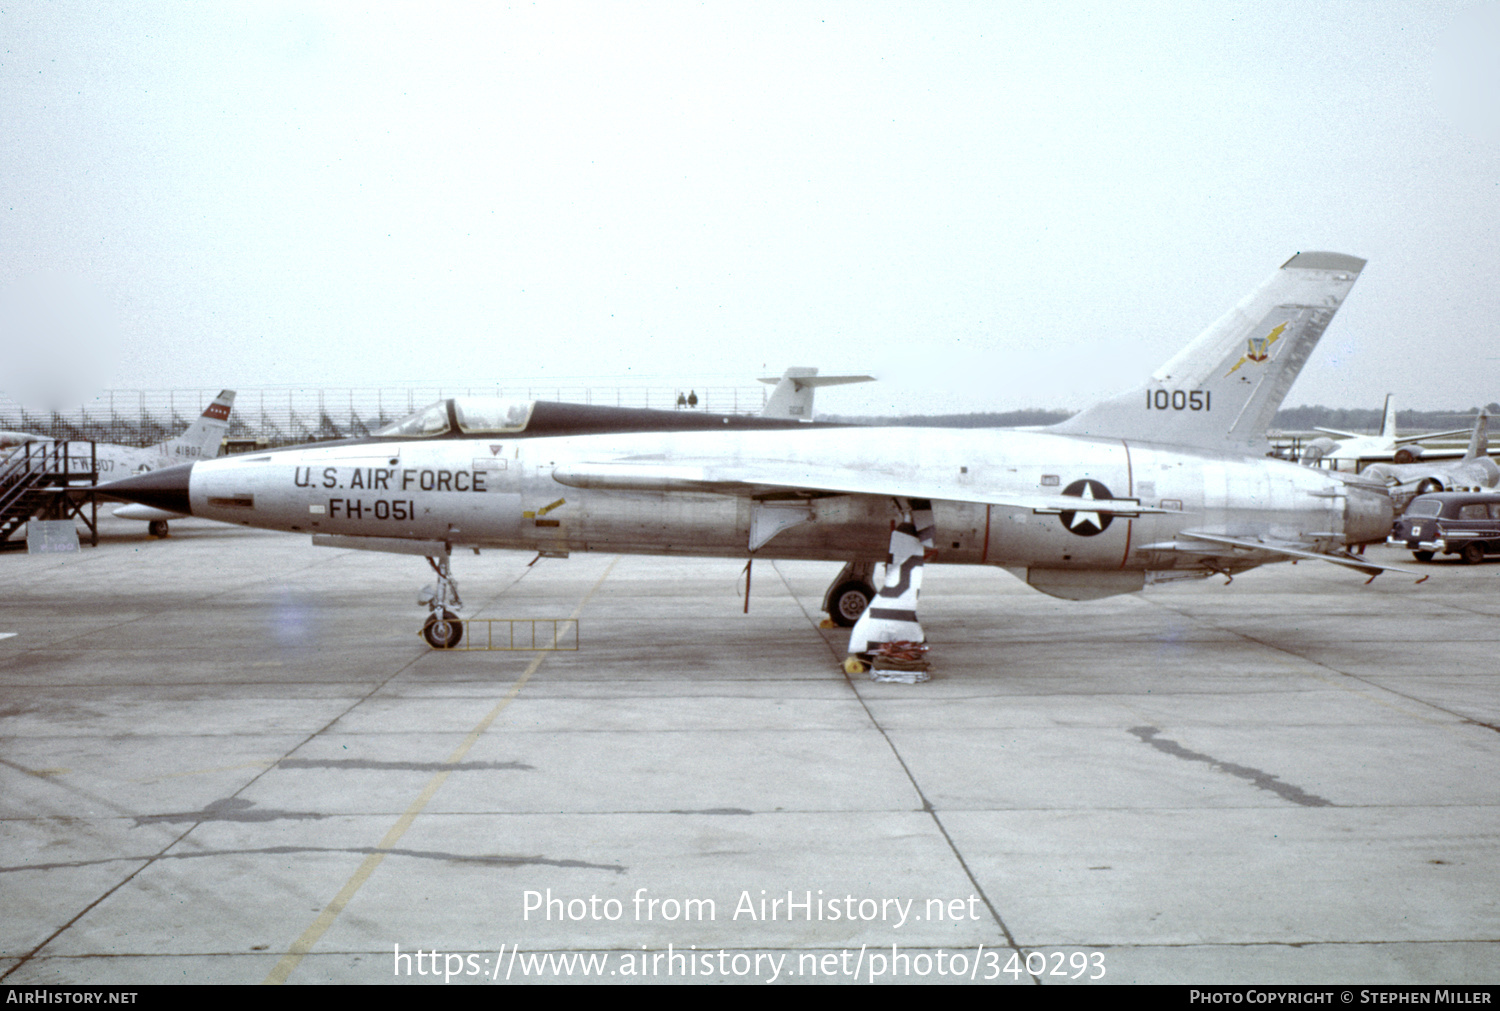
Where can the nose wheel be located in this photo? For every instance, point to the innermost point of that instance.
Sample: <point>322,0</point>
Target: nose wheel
<point>443,631</point>
<point>443,628</point>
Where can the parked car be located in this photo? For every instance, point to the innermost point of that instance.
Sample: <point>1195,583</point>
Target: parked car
<point>1450,523</point>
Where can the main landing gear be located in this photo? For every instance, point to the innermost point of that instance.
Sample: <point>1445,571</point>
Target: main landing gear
<point>443,628</point>
<point>157,528</point>
<point>849,594</point>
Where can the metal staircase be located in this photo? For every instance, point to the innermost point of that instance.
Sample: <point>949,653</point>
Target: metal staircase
<point>52,480</point>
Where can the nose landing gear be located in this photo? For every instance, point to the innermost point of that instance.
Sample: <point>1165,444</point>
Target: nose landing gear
<point>443,628</point>
<point>443,632</point>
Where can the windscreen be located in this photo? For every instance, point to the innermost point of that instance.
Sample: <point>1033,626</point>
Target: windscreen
<point>429,421</point>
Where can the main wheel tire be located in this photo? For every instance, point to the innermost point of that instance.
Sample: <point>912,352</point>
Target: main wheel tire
<point>157,528</point>
<point>1422,556</point>
<point>1473,552</point>
<point>444,632</point>
<point>848,601</point>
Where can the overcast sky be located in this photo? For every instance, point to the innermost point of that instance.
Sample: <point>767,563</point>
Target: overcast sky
<point>989,205</point>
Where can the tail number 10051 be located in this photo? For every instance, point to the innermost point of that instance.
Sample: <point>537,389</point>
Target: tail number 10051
<point>1179,400</point>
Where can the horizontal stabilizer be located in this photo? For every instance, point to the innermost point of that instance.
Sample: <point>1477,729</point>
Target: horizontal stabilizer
<point>1371,569</point>
<point>802,382</point>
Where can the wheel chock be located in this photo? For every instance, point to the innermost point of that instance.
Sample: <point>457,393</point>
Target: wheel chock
<point>854,665</point>
<point>828,623</point>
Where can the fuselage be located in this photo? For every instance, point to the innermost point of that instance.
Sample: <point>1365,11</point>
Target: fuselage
<point>109,460</point>
<point>1466,474</point>
<point>501,492</point>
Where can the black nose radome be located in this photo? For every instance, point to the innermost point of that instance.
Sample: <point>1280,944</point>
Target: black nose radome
<point>162,489</point>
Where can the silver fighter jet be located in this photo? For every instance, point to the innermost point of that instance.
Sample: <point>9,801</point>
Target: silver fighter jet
<point>1474,472</point>
<point>199,441</point>
<point>1167,481</point>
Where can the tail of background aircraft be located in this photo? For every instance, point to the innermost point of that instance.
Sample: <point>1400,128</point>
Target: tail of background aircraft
<point>1479,442</point>
<point>793,396</point>
<point>1223,389</point>
<point>1388,420</point>
<point>201,439</point>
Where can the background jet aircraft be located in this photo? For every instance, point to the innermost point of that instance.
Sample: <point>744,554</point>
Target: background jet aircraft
<point>199,441</point>
<point>1167,481</point>
<point>1474,472</point>
<point>1354,451</point>
<point>793,396</point>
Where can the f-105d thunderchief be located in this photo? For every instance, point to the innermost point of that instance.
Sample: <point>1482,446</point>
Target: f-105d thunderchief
<point>1168,481</point>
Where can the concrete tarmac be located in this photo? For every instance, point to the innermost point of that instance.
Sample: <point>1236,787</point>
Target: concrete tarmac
<point>227,757</point>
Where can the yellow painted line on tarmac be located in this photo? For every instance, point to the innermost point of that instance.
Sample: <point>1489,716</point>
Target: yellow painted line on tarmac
<point>319,927</point>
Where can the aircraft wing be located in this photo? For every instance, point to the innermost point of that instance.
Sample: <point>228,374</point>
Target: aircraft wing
<point>136,511</point>
<point>773,479</point>
<point>1372,569</point>
<point>1451,433</point>
<point>1429,454</point>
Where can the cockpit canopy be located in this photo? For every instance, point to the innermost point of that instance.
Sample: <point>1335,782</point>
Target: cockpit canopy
<point>464,415</point>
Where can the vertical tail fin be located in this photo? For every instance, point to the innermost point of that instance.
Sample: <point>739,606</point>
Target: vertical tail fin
<point>1388,419</point>
<point>201,439</point>
<point>1223,389</point>
<point>790,399</point>
<point>1479,442</point>
<point>793,396</point>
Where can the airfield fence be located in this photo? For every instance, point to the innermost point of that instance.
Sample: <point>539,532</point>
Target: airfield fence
<point>282,417</point>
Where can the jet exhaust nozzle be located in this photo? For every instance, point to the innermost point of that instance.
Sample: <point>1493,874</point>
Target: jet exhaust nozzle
<point>1368,515</point>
